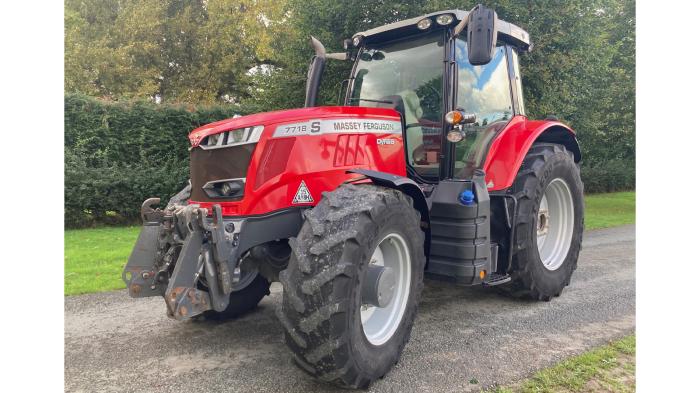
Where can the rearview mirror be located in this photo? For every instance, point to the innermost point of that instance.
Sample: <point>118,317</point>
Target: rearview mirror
<point>481,35</point>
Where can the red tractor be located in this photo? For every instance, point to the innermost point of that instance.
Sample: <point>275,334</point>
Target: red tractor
<point>430,168</point>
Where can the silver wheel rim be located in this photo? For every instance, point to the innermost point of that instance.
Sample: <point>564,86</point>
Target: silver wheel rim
<point>555,224</point>
<point>380,323</point>
<point>247,277</point>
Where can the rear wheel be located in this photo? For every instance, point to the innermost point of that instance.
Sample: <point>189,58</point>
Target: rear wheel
<point>548,222</point>
<point>352,286</point>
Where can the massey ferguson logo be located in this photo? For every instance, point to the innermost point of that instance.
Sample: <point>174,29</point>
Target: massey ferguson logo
<point>386,141</point>
<point>338,126</point>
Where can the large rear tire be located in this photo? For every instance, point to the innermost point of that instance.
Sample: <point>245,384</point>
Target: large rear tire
<point>548,222</point>
<point>334,332</point>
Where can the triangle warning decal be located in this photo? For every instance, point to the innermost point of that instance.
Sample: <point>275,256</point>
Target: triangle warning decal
<point>303,195</point>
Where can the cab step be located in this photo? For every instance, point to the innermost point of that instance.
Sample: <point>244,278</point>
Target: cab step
<point>494,279</point>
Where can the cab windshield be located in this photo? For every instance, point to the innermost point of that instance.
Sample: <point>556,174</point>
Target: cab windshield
<point>406,75</point>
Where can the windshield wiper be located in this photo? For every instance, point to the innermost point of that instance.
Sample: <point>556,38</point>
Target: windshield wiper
<point>370,100</point>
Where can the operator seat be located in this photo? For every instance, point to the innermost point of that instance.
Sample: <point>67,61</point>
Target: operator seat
<point>408,104</point>
<point>412,114</point>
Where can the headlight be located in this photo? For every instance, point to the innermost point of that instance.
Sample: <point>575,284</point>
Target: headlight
<point>424,24</point>
<point>226,188</point>
<point>455,136</point>
<point>356,40</point>
<point>444,19</point>
<point>239,136</point>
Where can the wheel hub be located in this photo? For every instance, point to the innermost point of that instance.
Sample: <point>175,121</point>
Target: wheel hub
<point>379,286</point>
<point>385,289</point>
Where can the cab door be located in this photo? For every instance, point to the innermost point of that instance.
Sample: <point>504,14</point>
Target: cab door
<point>484,91</point>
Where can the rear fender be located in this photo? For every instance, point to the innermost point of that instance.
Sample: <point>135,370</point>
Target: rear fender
<point>509,148</point>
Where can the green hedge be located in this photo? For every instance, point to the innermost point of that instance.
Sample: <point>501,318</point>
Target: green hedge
<point>608,176</point>
<point>119,154</point>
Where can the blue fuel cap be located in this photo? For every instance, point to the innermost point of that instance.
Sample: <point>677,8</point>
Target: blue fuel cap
<point>466,197</point>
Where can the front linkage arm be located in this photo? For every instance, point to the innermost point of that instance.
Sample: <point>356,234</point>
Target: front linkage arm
<point>199,246</point>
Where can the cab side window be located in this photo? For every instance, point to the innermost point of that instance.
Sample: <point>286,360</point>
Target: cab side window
<point>484,90</point>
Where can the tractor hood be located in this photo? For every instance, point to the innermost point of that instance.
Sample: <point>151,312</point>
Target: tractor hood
<point>286,116</point>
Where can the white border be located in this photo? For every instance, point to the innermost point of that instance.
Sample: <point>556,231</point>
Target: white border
<point>31,73</point>
<point>668,223</point>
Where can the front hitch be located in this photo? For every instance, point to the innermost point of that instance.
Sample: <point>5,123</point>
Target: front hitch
<point>140,272</point>
<point>185,257</point>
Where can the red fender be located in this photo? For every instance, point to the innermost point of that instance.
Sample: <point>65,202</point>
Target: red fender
<point>510,146</point>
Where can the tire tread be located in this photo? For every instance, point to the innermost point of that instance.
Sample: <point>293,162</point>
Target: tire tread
<point>318,265</point>
<point>531,175</point>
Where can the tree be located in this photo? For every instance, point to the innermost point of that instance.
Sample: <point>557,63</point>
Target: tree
<point>192,51</point>
<point>581,69</point>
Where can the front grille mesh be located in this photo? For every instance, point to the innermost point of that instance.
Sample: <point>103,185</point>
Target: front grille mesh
<point>217,164</point>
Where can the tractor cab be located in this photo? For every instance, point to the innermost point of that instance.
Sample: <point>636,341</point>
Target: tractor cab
<point>421,68</point>
<point>454,78</point>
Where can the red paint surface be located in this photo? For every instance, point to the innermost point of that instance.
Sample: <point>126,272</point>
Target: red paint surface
<point>290,116</point>
<point>321,161</point>
<point>509,148</point>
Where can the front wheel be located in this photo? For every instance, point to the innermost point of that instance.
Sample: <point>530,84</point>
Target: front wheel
<point>548,222</point>
<point>245,296</point>
<point>352,286</point>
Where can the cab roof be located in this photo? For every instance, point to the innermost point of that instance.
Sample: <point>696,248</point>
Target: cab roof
<point>507,32</point>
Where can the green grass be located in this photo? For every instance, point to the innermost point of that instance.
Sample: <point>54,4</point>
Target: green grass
<point>610,368</point>
<point>94,258</point>
<point>610,210</point>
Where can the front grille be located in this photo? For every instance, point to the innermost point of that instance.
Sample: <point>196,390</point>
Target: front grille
<point>206,165</point>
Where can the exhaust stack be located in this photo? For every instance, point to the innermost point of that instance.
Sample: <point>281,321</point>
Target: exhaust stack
<point>313,76</point>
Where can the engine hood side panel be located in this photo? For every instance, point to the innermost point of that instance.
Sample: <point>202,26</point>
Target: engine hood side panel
<point>284,116</point>
<point>304,152</point>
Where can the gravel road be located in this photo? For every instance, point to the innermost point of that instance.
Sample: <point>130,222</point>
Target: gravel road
<point>461,336</point>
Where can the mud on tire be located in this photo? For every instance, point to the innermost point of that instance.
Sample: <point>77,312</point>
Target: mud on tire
<point>321,302</point>
<point>543,163</point>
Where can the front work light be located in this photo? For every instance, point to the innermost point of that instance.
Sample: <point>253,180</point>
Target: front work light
<point>455,136</point>
<point>356,40</point>
<point>424,24</point>
<point>444,19</point>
